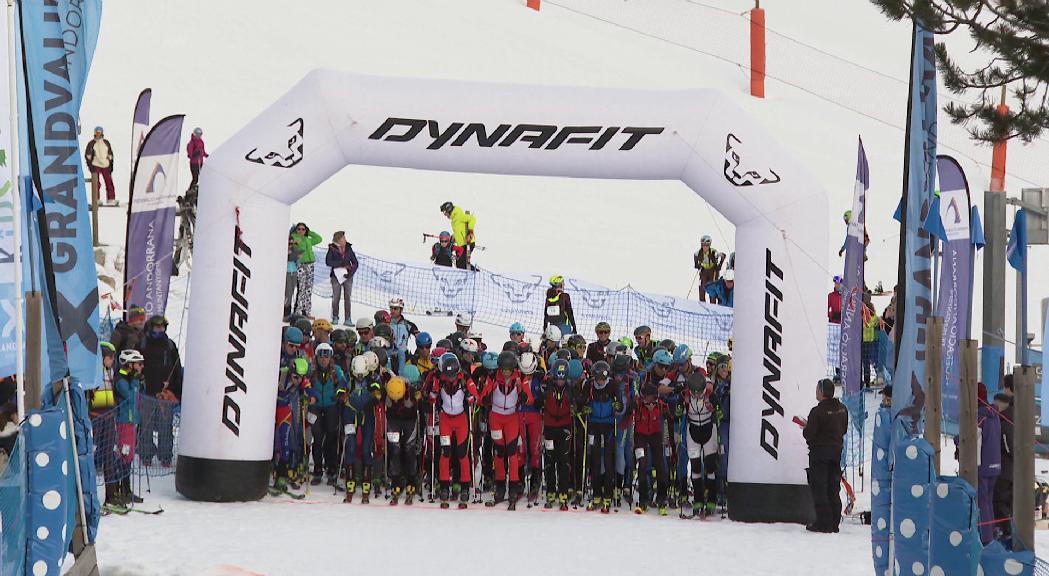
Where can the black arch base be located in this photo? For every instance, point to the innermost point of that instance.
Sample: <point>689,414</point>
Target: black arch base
<point>770,503</point>
<point>208,480</point>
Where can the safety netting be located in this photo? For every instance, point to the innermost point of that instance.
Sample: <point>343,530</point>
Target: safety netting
<point>155,447</point>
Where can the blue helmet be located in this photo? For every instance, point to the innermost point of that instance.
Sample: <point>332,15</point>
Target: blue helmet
<point>490,360</point>
<point>662,357</point>
<point>423,339</point>
<point>682,354</point>
<point>575,369</point>
<point>99,129</point>
<point>410,373</point>
<point>517,327</point>
<point>293,335</point>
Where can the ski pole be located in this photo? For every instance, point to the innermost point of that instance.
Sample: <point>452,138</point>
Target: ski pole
<point>432,432</point>
<point>690,286</point>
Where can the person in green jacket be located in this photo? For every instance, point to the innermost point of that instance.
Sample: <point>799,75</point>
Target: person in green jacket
<point>463,224</point>
<point>304,239</point>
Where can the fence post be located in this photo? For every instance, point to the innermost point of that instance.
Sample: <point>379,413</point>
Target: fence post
<point>534,4</point>
<point>757,50</point>
<point>1023,457</point>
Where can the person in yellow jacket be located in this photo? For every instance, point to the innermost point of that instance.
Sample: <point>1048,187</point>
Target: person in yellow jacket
<point>869,352</point>
<point>463,225</point>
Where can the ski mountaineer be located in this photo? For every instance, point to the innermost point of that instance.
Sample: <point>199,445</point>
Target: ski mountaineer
<point>722,399</point>
<point>596,350</point>
<point>482,442</point>
<point>708,262</point>
<point>680,372</point>
<point>558,307</point>
<point>503,393</point>
<point>701,443</point>
<point>326,379</point>
<point>645,347</point>
<point>558,406</point>
<point>602,402</point>
<point>626,381</point>
<point>402,435</point>
<point>288,389</point>
<point>443,251</point>
<point>456,392</point>
<point>650,414</point>
<point>342,342</point>
<point>358,422</point>
<point>421,357</point>
<point>127,386</point>
<point>549,344</point>
<point>365,332</point>
<point>532,425</point>
<point>403,330</point>
<point>463,225</point>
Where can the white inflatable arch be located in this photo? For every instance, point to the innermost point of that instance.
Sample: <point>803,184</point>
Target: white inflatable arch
<point>332,119</point>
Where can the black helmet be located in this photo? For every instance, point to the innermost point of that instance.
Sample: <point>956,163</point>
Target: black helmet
<point>447,207</point>
<point>564,354</point>
<point>600,370</point>
<point>642,330</point>
<point>507,360</point>
<point>158,320</point>
<point>559,370</point>
<point>445,343</point>
<point>339,336</point>
<point>509,346</point>
<point>449,365</point>
<point>384,331</point>
<point>575,340</point>
<point>696,383</point>
<point>621,363</point>
<point>305,325</point>
<point>650,389</point>
<point>668,345</point>
<point>384,357</point>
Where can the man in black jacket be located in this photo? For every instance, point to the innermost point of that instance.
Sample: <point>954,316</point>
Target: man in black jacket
<point>825,434</point>
<point>1003,488</point>
<point>161,390</point>
<point>128,334</point>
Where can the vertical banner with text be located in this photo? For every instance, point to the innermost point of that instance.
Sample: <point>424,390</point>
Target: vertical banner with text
<point>852,299</point>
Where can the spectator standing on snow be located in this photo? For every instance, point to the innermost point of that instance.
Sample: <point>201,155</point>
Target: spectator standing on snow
<point>99,157</point>
<point>708,261</point>
<point>990,462</point>
<point>463,225</point>
<point>161,380</point>
<point>291,279</point>
<point>558,310</point>
<point>196,153</point>
<point>343,263</point>
<point>824,432</point>
<point>443,251</point>
<point>834,302</point>
<point>305,239</point>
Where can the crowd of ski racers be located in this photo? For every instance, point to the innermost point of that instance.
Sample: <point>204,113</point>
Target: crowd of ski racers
<point>560,421</point>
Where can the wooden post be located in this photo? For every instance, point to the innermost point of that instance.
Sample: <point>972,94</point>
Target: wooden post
<point>757,50</point>
<point>1023,457</point>
<point>967,403</point>
<point>33,306</point>
<point>933,386</point>
<point>534,4</point>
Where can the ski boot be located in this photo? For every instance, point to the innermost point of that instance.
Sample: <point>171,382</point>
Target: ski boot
<point>498,496</point>
<point>617,496</point>
<point>515,495</point>
<point>709,509</point>
<point>366,489</point>
<point>464,498</point>
<point>409,495</point>
<point>563,499</point>
<point>641,508</point>
<point>550,499</point>
<point>351,487</point>
<point>442,495</point>
<point>127,494</point>
<point>606,505</point>
<point>533,488</point>
<point>316,480</point>
<point>593,504</point>
<point>396,496</point>
<point>695,512</point>
<point>662,506</point>
<point>576,498</point>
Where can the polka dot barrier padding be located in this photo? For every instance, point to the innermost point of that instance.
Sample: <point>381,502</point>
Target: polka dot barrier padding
<point>997,561</point>
<point>912,476</point>
<point>954,540</point>
<point>51,494</point>
<point>85,456</point>
<point>13,510</point>
<point>881,490</point>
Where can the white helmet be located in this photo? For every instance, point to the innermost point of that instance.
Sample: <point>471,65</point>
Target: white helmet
<point>365,322</point>
<point>131,355</point>
<point>396,302</point>
<point>565,339</point>
<point>379,342</point>
<point>464,319</point>
<point>371,360</point>
<point>469,345</point>
<point>528,363</point>
<point>323,347</point>
<point>537,345</point>
<point>729,275</point>
<point>359,366</point>
<point>475,335</point>
<point>553,333</point>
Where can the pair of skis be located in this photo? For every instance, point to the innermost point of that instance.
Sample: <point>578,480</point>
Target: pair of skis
<point>124,510</point>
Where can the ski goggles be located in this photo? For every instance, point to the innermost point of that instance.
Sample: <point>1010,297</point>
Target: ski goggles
<point>324,353</point>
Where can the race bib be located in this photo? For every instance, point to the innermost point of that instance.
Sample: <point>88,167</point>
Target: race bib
<point>667,452</point>
<point>590,439</point>
<point>694,452</point>
<point>350,429</point>
<point>311,417</point>
<point>639,453</point>
<point>497,434</point>
<point>393,437</point>
<point>549,444</point>
<point>446,440</point>
<point>553,310</point>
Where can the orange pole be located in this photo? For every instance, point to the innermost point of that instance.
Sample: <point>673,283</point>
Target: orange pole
<point>998,157</point>
<point>757,52</point>
<point>534,4</point>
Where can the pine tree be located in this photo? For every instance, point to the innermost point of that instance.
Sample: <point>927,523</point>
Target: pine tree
<point>1016,35</point>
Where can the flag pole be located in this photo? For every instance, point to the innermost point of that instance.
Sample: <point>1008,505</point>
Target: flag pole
<point>16,195</point>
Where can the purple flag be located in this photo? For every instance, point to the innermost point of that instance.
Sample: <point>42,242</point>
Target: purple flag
<point>852,298</point>
<point>956,268</point>
<point>140,124</point>
<point>151,217</point>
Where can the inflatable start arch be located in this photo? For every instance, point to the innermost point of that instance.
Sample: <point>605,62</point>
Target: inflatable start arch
<point>333,119</point>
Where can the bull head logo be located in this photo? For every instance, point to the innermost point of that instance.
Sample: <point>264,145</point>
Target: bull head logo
<point>387,276</point>
<point>287,155</point>
<point>450,282</point>
<point>740,175</point>
<point>595,299</point>
<point>516,291</point>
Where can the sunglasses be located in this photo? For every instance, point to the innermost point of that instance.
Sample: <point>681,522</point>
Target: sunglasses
<point>392,308</point>
<point>517,333</point>
<point>324,354</point>
<point>364,330</point>
<point>291,345</point>
<point>296,377</point>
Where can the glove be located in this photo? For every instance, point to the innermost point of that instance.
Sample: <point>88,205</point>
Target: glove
<point>167,395</point>
<point>377,394</point>
<point>586,410</point>
<point>617,406</point>
<point>679,411</point>
<point>418,395</point>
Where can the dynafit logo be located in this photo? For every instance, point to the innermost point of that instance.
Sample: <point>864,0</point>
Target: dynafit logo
<point>284,154</point>
<point>738,172</point>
